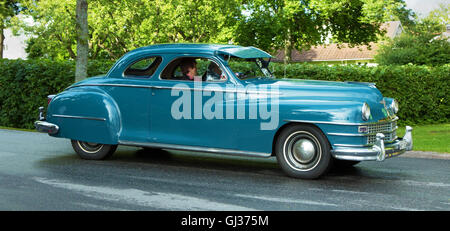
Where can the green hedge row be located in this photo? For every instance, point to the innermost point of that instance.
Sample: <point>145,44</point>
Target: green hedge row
<point>25,84</point>
<point>422,91</point>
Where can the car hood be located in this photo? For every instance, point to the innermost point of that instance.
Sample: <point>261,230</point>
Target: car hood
<point>318,89</point>
<point>293,90</point>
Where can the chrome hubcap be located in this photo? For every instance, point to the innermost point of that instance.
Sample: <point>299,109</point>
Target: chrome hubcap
<point>304,151</point>
<point>90,147</point>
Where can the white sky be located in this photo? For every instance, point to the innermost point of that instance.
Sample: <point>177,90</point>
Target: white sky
<point>15,46</point>
<point>423,7</point>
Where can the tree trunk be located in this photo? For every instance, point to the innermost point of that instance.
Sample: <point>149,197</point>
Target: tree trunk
<point>82,41</point>
<point>288,47</point>
<point>2,40</point>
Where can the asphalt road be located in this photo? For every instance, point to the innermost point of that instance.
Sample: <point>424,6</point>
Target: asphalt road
<point>39,172</point>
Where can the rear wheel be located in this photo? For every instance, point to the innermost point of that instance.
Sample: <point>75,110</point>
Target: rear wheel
<point>93,151</point>
<point>303,151</point>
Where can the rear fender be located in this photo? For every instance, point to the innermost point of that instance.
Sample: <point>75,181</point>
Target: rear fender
<point>86,114</point>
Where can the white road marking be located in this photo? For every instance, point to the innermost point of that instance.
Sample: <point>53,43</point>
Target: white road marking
<point>285,200</point>
<point>404,208</point>
<point>352,192</point>
<point>99,207</point>
<point>425,184</point>
<point>138,197</point>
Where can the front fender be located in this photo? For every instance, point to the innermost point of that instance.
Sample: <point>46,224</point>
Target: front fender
<point>322,110</point>
<point>330,116</point>
<point>86,114</point>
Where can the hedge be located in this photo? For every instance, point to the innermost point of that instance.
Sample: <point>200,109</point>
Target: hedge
<point>421,91</point>
<point>25,84</point>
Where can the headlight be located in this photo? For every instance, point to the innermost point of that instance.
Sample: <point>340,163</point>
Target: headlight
<point>365,111</point>
<point>394,106</point>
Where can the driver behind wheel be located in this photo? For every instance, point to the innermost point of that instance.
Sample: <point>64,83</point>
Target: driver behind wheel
<point>214,73</point>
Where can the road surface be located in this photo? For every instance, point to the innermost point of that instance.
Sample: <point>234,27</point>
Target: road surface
<point>39,172</point>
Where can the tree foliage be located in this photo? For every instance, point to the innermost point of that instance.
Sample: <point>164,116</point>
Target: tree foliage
<point>274,24</point>
<point>116,27</point>
<point>420,44</point>
<point>414,49</point>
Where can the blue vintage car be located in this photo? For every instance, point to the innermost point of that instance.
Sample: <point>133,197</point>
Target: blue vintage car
<point>224,99</point>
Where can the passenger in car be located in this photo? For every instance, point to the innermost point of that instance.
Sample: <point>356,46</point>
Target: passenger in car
<point>188,68</point>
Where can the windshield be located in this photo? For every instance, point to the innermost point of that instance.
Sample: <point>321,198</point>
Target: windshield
<point>249,68</point>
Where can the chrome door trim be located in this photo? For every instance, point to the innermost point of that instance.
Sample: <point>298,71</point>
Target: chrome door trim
<point>195,148</point>
<point>175,88</point>
<point>340,123</point>
<point>79,117</point>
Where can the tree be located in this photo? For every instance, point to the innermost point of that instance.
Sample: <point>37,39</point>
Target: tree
<point>414,49</point>
<point>116,27</point>
<point>82,40</point>
<point>53,34</point>
<point>288,24</point>
<point>420,43</point>
<point>434,23</point>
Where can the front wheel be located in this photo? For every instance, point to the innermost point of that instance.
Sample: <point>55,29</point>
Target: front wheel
<point>93,151</point>
<point>303,151</point>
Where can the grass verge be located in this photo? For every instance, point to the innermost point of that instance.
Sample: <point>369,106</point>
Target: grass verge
<point>18,129</point>
<point>434,138</point>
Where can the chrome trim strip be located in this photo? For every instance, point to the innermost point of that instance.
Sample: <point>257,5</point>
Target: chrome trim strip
<point>109,85</point>
<point>349,134</point>
<point>79,117</point>
<point>355,134</point>
<point>338,123</point>
<point>195,148</point>
<point>175,88</point>
<point>198,89</point>
<point>353,145</point>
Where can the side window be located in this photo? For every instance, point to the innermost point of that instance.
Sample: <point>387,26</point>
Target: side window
<point>193,68</point>
<point>143,68</point>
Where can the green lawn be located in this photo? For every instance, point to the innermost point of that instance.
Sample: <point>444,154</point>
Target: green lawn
<point>18,129</point>
<point>434,138</point>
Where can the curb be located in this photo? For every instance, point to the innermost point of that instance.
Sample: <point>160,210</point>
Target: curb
<point>426,155</point>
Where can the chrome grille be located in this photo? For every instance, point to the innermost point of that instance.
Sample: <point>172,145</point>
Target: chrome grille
<point>388,129</point>
<point>382,127</point>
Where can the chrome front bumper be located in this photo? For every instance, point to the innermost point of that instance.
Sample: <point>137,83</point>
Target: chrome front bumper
<point>379,151</point>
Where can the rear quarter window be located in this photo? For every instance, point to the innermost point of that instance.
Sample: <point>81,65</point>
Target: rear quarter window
<point>143,68</point>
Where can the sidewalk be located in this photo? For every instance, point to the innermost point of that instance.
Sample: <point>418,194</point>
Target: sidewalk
<point>429,155</point>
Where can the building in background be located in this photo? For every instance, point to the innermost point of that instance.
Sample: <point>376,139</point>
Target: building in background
<point>14,46</point>
<point>342,54</point>
<point>444,35</point>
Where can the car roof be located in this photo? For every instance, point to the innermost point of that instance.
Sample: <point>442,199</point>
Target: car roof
<point>182,48</point>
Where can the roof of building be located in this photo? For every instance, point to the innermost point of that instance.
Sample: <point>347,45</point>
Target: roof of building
<point>342,52</point>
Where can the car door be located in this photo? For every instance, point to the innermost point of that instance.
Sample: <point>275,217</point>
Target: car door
<point>193,113</point>
<point>132,92</point>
